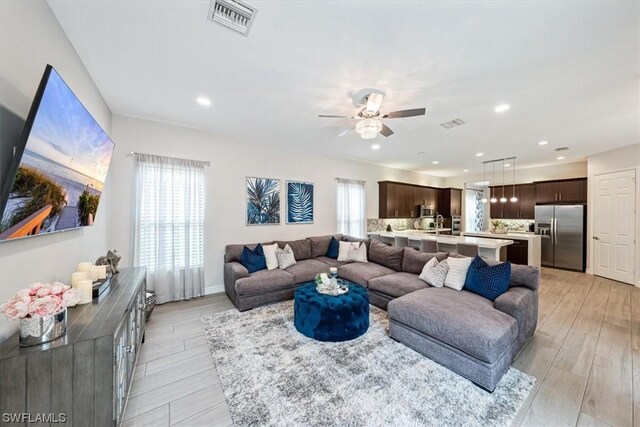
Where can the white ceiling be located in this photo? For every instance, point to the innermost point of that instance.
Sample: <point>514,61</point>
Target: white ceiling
<point>569,70</point>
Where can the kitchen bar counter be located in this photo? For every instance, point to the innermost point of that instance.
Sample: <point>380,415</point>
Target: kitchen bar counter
<point>534,243</point>
<point>489,248</point>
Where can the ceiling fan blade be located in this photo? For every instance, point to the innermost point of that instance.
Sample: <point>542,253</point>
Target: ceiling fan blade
<point>346,131</point>
<point>386,131</point>
<point>406,113</point>
<point>333,116</point>
<point>374,100</point>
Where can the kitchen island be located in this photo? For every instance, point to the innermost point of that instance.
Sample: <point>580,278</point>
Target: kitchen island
<point>527,243</point>
<point>488,248</point>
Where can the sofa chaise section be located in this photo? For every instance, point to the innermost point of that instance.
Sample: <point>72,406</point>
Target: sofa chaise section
<point>471,335</point>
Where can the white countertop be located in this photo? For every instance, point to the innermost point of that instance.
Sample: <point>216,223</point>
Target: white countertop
<point>513,236</point>
<point>445,239</point>
<point>428,231</point>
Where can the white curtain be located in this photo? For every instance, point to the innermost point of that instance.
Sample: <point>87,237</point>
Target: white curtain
<point>351,207</point>
<point>169,228</point>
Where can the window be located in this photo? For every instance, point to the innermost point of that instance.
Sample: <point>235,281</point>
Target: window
<point>170,225</point>
<point>351,207</point>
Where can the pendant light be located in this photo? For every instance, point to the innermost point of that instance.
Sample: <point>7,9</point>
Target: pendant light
<point>503,199</point>
<point>493,196</point>
<point>484,179</point>
<point>513,196</point>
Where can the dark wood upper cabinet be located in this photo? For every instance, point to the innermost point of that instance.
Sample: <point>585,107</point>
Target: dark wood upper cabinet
<point>400,200</point>
<point>562,191</point>
<point>572,191</point>
<point>527,200</point>
<point>524,208</point>
<point>450,202</point>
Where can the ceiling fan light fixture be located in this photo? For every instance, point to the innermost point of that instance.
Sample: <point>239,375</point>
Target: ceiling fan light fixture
<point>369,128</point>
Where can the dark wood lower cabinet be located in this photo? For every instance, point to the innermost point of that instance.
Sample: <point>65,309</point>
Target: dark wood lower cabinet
<point>518,252</point>
<point>85,375</point>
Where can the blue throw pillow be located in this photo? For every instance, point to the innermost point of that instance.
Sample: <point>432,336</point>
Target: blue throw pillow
<point>253,260</point>
<point>486,281</point>
<point>334,247</point>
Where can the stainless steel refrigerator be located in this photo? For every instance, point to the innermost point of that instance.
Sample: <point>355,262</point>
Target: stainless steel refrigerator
<point>563,230</point>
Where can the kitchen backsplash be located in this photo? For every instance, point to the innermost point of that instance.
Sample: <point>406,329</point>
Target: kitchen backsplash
<point>517,224</point>
<point>377,224</point>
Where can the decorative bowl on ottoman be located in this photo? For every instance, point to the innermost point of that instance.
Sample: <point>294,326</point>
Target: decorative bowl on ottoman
<point>331,318</point>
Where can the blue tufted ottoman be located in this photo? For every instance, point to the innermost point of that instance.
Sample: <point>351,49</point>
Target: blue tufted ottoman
<point>331,318</point>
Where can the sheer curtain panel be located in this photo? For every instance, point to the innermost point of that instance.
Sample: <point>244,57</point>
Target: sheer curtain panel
<point>169,227</point>
<point>351,207</point>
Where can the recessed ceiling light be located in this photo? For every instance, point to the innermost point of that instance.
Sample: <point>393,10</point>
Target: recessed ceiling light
<point>466,170</point>
<point>543,142</point>
<point>479,154</point>
<point>435,162</point>
<point>502,108</point>
<point>203,100</point>
<point>560,158</point>
<point>375,147</point>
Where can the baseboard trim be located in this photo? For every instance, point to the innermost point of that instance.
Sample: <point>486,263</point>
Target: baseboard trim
<point>217,289</point>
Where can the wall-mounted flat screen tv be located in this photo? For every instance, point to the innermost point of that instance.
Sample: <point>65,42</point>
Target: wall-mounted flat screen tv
<point>58,172</point>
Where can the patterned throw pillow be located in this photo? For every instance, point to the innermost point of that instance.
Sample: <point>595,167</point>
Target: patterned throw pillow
<point>358,252</point>
<point>434,272</point>
<point>285,257</point>
<point>253,260</point>
<point>488,281</point>
<point>270,256</point>
<point>334,246</point>
<point>457,273</point>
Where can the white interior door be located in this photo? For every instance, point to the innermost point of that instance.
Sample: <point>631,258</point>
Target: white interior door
<point>614,225</point>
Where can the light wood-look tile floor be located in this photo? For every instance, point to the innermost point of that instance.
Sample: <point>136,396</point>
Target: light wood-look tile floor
<point>585,356</point>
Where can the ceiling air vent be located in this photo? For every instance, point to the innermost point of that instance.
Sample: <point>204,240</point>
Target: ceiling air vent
<point>452,124</point>
<point>562,149</point>
<point>234,14</point>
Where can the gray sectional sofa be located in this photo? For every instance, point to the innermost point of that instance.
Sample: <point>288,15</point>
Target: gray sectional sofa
<point>475,337</point>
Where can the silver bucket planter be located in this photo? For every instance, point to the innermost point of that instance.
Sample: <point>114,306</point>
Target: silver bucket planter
<point>39,330</point>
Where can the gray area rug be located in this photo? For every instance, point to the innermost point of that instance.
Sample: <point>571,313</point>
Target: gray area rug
<point>273,375</point>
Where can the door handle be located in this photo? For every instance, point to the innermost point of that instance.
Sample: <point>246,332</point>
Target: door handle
<point>595,238</point>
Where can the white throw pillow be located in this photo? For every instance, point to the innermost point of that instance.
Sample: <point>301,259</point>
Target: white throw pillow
<point>270,256</point>
<point>457,273</point>
<point>285,257</point>
<point>358,252</point>
<point>434,272</point>
<point>343,251</point>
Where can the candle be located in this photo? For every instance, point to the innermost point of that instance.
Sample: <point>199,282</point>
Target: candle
<point>85,267</point>
<point>85,289</point>
<point>102,271</point>
<point>76,277</point>
<point>93,273</point>
<point>333,270</point>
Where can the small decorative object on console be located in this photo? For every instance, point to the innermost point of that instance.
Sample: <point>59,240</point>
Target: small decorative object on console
<point>111,260</point>
<point>42,311</point>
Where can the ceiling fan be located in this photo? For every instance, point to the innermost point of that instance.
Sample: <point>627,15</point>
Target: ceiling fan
<point>370,118</point>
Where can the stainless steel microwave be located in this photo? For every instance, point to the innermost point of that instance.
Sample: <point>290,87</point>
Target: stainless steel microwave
<point>426,211</point>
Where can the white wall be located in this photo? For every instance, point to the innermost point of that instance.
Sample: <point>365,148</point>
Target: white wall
<point>613,161</point>
<point>231,162</point>
<point>31,38</point>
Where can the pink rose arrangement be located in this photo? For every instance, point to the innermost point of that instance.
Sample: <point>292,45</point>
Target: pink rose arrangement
<point>39,300</point>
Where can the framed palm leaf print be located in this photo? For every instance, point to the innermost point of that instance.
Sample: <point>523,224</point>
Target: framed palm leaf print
<point>299,202</point>
<point>263,201</point>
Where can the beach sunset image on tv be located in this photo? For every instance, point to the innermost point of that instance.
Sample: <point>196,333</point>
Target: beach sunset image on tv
<point>63,168</point>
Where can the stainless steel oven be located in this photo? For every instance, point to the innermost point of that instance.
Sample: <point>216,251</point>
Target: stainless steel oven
<point>456,225</point>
